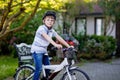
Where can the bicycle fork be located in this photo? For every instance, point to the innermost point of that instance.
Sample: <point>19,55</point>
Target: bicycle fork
<point>68,72</point>
<point>71,75</point>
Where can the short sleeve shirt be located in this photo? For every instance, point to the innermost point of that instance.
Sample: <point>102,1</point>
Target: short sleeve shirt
<point>40,44</point>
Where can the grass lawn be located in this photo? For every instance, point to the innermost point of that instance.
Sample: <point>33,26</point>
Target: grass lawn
<point>8,65</point>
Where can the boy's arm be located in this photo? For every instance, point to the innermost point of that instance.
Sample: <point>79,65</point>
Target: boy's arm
<point>49,39</point>
<point>62,41</point>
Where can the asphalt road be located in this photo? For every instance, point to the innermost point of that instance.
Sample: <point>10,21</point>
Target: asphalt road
<point>101,70</point>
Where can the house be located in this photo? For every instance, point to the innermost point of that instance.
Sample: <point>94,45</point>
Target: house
<point>92,22</point>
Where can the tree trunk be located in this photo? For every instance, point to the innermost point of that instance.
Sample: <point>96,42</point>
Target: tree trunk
<point>118,37</point>
<point>23,23</point>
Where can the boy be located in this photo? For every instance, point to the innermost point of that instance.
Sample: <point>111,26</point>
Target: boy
<point>43,38</point>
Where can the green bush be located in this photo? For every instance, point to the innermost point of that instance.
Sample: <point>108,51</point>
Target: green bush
<point>25,35</point>
<point>82,39</point>
<point>101,47</point>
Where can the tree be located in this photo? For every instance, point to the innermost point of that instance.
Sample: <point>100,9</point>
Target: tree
<point>112,9</point>
<point>72,9</point>
<point>13,10</point>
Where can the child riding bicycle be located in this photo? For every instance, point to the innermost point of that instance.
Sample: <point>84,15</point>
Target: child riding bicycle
<point>43,38</point>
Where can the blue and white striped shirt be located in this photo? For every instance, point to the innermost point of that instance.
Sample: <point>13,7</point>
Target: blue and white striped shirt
<point>40,44</point>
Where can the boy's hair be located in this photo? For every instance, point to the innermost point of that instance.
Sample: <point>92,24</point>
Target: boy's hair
<point>49,13</point>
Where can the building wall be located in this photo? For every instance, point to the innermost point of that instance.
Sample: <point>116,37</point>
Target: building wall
<point>113,28</point>
<point>90,26</point>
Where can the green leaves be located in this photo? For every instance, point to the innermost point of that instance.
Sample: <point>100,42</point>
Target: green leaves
<point>97,46</point>
<point>111,7</point>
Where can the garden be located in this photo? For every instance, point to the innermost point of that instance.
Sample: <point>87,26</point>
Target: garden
<point>96,47</point>
<point>19,19</point>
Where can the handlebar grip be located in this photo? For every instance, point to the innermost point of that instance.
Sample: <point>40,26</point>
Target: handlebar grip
<point>64,49</point>
<point>54,48</point>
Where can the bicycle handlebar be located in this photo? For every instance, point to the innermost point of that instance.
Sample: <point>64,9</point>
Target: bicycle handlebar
<point>70,53</point>
<point>64,49</point>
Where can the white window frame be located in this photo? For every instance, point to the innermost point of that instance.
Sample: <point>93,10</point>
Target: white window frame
<point>81,25</point>
<point>99,26</point>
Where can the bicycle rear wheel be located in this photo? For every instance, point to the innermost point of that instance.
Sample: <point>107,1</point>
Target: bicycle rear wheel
<point>76,74</point>
<point>24,73</point>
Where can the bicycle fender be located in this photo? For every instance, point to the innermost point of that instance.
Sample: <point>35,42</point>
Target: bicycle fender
<point>74,67</point>
<point>26,65</point>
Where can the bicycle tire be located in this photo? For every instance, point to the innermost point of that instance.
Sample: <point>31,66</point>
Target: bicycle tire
<point>76,74</point>
<point>24,72</point>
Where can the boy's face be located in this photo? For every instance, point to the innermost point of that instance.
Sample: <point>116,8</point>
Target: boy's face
<point>49,21</point>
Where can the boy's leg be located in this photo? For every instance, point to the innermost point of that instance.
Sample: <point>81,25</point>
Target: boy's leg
<point>38,65</point>
<point>46,61</point>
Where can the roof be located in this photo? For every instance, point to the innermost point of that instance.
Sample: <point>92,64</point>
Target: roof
<point>95,10</point>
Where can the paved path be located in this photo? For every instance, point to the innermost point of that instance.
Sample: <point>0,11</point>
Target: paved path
<point>99,70</point>
<point>102,70</point>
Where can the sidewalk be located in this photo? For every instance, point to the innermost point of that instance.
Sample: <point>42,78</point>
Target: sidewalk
<point>101,70</point>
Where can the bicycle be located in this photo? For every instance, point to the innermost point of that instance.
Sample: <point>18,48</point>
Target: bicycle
<point>26,72</point>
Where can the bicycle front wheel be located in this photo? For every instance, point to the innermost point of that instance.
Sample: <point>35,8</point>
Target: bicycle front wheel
<point>76,74</point>
<point>24,73</point>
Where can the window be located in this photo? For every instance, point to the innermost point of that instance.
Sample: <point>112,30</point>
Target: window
<point>80,25</point>
<point>98,26</point>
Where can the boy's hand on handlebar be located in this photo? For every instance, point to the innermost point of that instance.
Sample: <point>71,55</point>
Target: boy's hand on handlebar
<point>59,46</point>
<point>71,47</point>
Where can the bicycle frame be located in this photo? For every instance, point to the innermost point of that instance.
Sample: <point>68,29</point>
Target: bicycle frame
<point>67,64</point>
<point>57,68</point>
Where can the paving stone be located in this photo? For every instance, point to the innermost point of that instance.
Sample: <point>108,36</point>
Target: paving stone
<point>101,70</point>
